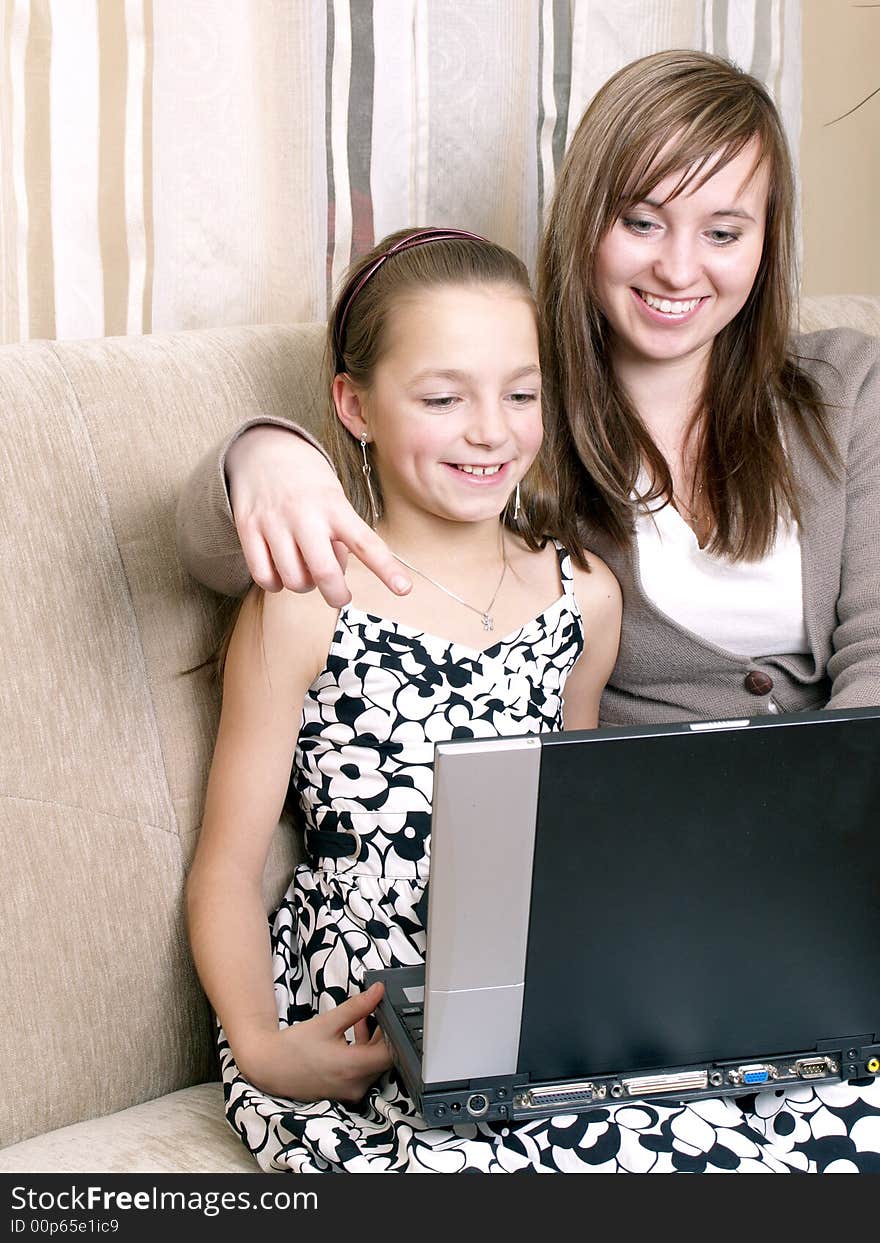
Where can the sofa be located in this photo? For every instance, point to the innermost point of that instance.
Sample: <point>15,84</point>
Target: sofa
<point>108,715</point>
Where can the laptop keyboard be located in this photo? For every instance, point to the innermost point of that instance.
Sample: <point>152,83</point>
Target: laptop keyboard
<point>414,1021</point>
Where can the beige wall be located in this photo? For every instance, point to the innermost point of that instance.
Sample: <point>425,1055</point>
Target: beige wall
<point>840,163</point>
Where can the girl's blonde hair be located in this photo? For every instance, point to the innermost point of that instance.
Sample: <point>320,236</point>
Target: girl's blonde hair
<point>688,114</point>
<point>357,349</point>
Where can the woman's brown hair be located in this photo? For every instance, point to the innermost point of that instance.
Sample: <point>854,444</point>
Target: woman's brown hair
<point>685,113</point>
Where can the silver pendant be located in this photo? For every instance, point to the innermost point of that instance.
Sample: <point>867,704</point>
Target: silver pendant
<point>488,623</point>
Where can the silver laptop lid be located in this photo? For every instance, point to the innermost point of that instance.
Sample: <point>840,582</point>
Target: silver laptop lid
<point>482,844</point>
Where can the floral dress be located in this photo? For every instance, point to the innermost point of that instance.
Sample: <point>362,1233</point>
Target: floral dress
<point>363,778</point>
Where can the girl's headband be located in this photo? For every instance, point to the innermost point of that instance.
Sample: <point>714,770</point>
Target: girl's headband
<point>356,285</point>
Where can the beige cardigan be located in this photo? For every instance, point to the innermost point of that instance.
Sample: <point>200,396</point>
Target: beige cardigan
<point>665,672</point>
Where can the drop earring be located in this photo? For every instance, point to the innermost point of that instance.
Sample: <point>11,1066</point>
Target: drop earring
<point>516,503</point>
<point>367,471</point>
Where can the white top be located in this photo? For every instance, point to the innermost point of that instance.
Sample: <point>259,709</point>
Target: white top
<point>752,608</point>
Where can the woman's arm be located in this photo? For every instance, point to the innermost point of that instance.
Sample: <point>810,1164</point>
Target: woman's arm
<point>854,667</point>
<point>600,602</point>
<point>283,522</point>
<point>272,659</point>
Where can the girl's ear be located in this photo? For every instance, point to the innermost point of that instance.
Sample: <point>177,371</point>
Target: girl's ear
<point>349,405</point>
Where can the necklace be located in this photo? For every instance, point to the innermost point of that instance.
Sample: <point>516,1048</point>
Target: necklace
<point>688,512</point>
<point>486,613</point>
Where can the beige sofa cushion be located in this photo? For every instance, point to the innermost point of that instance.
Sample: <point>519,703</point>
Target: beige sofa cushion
<point>860,311</point>
<point>184,1133</point>
<point>106,740</point>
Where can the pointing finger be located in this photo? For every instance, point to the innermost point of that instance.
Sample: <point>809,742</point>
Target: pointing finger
<point>375,554</point>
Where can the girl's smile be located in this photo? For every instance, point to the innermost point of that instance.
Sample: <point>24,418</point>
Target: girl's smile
<point>453,413</point>
<point>480,475</point>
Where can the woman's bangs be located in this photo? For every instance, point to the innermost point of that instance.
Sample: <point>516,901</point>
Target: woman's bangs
<point>692,162</point>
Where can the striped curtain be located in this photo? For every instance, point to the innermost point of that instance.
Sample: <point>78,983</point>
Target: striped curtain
<point>171,164</point>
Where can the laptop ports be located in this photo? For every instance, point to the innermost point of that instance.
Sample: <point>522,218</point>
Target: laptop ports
<point>477,1105</point>
<point>564,1094</point>
<point>814,1067</point>
<point>676,1081</point>
<point>753,1074</point>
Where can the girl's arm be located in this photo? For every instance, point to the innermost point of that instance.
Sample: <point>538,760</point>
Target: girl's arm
<point>284,522</point>
<point>271,661</point>
<point>599,598</point>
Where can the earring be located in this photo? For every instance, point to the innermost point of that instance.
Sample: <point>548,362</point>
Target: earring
<point>516,503</point>
<point>367,471</point>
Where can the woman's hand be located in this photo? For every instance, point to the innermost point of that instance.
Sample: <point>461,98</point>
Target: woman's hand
<point>312,1061</point>
<point>294,521</point>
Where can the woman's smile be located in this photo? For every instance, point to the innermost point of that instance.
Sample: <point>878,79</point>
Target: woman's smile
<point>664,310</point>
<point>675,269</point>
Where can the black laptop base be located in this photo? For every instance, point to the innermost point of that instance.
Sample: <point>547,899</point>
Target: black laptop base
<point>515,1098</point>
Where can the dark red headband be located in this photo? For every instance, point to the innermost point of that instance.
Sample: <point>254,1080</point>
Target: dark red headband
<point>356,285</point>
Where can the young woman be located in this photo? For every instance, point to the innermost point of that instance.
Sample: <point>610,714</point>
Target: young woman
<point>436,426</point>
<point>727,471</point>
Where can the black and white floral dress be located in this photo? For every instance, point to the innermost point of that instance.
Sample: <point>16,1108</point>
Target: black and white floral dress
<point>364,765</point>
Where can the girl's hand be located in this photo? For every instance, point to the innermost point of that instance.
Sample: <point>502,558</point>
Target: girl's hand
<point>294,521</point>
<point>312,1061</point>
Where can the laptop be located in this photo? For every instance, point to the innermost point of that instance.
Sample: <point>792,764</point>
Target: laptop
<point>660,913</point>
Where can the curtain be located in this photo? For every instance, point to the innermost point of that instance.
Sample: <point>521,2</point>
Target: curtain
<point>170,164</point>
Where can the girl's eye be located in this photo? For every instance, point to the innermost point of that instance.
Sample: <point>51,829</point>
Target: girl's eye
<point>722,237</point>
<point>439,403</point>
<point>523,399</point>
<point>637,225</point>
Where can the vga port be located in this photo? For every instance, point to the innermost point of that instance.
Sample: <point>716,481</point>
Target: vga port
<point>814,1067</point>
<point>756,1073</point>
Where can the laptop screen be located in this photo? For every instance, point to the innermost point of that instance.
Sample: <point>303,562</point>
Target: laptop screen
<point>703,893</point>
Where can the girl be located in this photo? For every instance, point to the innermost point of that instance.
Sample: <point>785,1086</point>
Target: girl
<point>436,427</point>
<point>727,471</point>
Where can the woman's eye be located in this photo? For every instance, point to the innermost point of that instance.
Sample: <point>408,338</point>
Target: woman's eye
<point>523,399</point>
<point>636,224</point>
<point>722,237</point>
